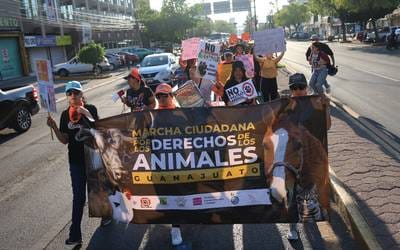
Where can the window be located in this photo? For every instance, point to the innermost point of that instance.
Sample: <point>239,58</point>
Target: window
<point>221,7</point>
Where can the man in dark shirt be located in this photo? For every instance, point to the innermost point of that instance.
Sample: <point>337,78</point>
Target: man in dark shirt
<point>323,47</point>
<point>138,96</point>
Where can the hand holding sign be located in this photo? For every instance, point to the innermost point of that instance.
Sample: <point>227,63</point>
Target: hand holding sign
<point>241,93</point>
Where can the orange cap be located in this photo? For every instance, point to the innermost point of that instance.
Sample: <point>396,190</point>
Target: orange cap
<point>164,89</point>
<point>135,74</point>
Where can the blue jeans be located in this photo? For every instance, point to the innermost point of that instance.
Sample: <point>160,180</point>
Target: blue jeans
<point>318,80</point>
<point>78,179</point>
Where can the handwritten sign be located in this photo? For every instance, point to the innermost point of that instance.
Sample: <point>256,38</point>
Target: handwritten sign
<point>208,58</point>
<point>269,41</point>
<point>248,63</point>
<point>190,48</point>
<point>241,93</point>
<point>45,80</point>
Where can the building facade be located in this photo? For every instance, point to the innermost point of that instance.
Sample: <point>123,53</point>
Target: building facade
<point>56,29</point>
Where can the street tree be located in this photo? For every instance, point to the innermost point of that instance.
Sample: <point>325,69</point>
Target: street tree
<point>292,14</point>
<point>91,54</point>
<point>221,26</point>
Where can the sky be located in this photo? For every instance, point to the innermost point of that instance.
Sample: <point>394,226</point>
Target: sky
<point>263,8</point>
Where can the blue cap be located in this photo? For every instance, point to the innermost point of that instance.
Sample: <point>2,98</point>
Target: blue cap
<point>73,85</point>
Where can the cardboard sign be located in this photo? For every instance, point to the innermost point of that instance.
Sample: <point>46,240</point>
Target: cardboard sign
<point>190,48</point>
<point>45,80</point>
<point>208,59</point>
<point>246,36</point>
<point>233,39</point>
<point>248,63</point>
<point>269,41</point>
<point>188,95</point>
<point>241,93</point>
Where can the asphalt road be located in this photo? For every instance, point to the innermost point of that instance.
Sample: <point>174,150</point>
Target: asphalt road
<point>368,81</point>
<point>35,200</point>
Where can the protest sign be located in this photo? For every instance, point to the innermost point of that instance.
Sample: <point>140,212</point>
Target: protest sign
<point>269,41</point>
<point>233,39</point>
<point>241,93</point>
<point>190,48</point>
<point>188,95</point>
<point>211,164</point>
<point>45,80</point>
<point>246,36</point>
<point>207,60</point>
<point>248,63</point>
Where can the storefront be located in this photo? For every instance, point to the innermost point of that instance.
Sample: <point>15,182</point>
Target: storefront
<point>50,48</point>
<point>11,49</point>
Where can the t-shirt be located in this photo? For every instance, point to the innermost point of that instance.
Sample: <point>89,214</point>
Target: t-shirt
<point>268,67</point>
<point>224,72</point>
<point>319,60</point>
<point>324,48</point>
<point>76,154</point>
<point>137,99</point>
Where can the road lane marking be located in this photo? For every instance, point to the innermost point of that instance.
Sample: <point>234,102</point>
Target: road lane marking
<point>237,233</point>
<point>377,74</point>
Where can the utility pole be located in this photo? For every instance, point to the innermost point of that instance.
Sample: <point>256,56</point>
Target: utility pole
<point>255,16</point>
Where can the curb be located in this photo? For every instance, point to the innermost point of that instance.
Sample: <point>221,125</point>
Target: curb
<point>348,207</point>
<point>82,77</point>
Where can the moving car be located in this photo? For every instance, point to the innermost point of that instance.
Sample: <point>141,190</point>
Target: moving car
<point>300,36</point>
<point>158,68</point>
<point>17,105</point>
<point>73,66</point>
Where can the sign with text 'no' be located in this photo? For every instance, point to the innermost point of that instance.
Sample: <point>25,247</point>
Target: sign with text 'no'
<point>241,93</point>
<point>269,41</point>
<point>208,59</point>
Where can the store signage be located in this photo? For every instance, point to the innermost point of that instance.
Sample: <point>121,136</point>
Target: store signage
<point>8,23</point>
<point>51,40</point>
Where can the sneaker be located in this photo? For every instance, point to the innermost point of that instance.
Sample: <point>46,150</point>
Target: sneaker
<point>292,235</point>
<point>328,90</point>
<point>105,221</point>
<point>70,241</point>
<point>176,236</point>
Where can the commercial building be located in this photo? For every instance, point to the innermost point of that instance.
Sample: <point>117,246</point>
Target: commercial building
<point>56,29</point>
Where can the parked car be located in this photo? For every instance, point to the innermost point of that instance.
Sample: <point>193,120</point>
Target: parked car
<point>140,52</point>
<point>17,105</point>
<point>383,33</point>
<point>73,66</point>
<point>158,68</point>
<point>114,60</point>
<point>300,36</point>
<point>128,57</point>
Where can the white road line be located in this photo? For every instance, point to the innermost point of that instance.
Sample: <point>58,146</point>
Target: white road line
<point>237,233</point>
<point>377,74</point>
<point>146,237</point>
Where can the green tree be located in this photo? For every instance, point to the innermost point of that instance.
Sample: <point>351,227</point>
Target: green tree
<point>203,28</point>
<point>91,54</point>
<point>221,26</point>
<point>292,14</point>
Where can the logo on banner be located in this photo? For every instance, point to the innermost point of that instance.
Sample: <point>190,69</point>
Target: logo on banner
<point>248,89</point>
<point>197,201</point>
<point>181,202</point>
<point>234,199</point>
<point>145,203</point>
<point>163,201</point>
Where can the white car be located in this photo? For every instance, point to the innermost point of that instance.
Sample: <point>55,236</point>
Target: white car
<point>158,68</point>
<point>73,66</point>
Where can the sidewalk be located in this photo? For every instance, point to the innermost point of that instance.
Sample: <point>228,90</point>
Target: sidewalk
<point>370,175</point>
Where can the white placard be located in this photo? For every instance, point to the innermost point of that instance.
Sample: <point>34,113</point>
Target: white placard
<point>208,59</point>
<point>269,41</point>
<point>241,93</point>
<point>44,75</point>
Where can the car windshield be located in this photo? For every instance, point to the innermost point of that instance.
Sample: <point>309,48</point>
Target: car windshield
<point>154,61</point>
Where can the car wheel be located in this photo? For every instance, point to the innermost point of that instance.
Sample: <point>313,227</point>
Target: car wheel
<point>63,72</point>
<point>98,70</point>
<point>112,66</point>
<point>22,120</point>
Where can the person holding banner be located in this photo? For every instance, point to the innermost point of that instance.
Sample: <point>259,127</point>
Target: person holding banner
<point>269,72</point>
<point>238,76</point>
<point>76,116</point>
<point>138,96</point>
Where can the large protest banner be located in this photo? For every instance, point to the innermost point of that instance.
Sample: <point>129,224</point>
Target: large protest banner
<point>208,59</point>
<point>269,41</point>
<point>264,163</point>
<point>190,48</point>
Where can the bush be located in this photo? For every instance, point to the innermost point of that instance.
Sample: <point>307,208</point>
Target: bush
<point>91,54</point>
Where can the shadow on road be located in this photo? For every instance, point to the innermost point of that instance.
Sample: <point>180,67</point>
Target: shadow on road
<point>6,137</point>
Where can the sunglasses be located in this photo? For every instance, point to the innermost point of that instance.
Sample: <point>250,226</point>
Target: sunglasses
<point>298,87</point>
<point>75,92</point>
<point>159,96</point>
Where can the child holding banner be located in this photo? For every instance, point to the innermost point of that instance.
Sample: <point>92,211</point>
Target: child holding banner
<point>269,72</point>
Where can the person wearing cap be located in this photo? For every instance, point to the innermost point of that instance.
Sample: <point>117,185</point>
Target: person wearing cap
<point>77,115</point>
<point>164,96</point>
<point>319,62</point>
<point>324,48</point>
<point>269,72</point>
<point>238,76</point>
<point>138,96</point>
